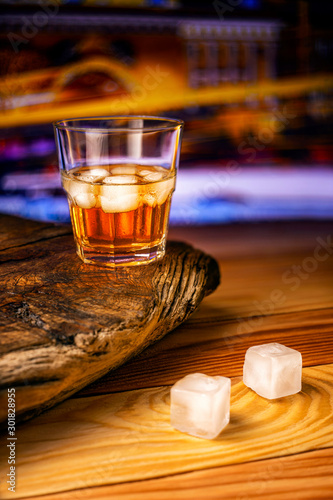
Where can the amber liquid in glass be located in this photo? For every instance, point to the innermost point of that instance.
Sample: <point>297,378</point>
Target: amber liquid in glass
<point>119,213</point>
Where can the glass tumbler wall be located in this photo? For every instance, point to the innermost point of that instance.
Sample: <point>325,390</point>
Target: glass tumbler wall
<point>119,174</point>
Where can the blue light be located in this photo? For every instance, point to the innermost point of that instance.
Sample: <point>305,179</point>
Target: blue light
<point>157,3</point>
<point>251,4</point>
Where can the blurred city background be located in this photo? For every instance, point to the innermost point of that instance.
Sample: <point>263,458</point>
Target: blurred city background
<point>252,79</point>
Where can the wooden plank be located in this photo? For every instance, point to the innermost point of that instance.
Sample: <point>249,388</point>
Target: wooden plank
<point>247,240</point>
<point>209,347</point>
<point>255,303</point>
<point>271,285</point>
<point>16,232</point>
<point>305,476</point>
<point>127,436</point>
<point>65,323</point>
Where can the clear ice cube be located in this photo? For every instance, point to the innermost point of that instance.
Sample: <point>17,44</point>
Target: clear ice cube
<point>164,189</point>
<point>120,179</point>
<point>144,172</point>
<point>86,178</point>
<point>273,370</point>
<point>153,176</point>
<point>116,198</point>
<point>94,175</point>
<point>124,170</point>
<point>157,193</point>
<point>200,405</point>
<point>81,193</point>
<point>85,200</point>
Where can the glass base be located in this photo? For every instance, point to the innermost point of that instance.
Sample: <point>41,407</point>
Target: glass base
<point>119,257</point>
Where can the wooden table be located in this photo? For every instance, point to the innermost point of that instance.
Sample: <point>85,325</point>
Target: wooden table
<point>114,440</point>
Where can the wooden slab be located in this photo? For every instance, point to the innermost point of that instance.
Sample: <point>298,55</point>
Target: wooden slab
<point>241,313</point>
<point>306,476</point>
<point>115,438</point>
<point>64,323</point>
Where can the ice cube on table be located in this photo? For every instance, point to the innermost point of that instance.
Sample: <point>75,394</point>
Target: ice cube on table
<point>200,405</point>
<point>273,370</point>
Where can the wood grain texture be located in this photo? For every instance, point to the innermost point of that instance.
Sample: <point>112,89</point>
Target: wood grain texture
<point>213,346</point>
<point>258,239</point>
<point>64,323</point>
<point>306,476</point>
<point>257,303</point>
<point>127,436</point>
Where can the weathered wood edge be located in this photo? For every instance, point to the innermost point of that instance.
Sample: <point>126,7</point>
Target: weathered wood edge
<point>47,375</point>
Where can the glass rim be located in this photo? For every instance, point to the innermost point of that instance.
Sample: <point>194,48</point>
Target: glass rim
<point>171,124</point>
